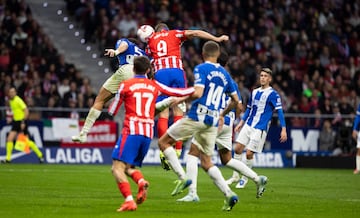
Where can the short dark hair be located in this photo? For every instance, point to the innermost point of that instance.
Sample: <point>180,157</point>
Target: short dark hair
<point>267,70</point>
<point>223,58</point>
<point>141,65</point>
<point>134,40</point>
<point>161,26</point>
<point>210,49</point>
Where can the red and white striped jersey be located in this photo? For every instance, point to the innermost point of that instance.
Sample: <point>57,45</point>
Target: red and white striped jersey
<point>165,49</point>
<point>139,96</point>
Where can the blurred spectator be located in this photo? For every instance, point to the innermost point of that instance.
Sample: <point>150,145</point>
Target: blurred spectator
<point>73,114</point>
<point>344,106</point>
<point>327,137</point>
<point>89,21</point>
<point>343,140</point>
<point>39,99</point>
<point>71,94</point>
<point>64,87</point>
<point>126,24</point>
<point>337,120</point>
<point>317,121</point>
<point>18,36</point>
<point>51,109</point>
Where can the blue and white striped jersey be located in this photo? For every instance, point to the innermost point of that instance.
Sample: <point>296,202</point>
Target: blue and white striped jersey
<point>261,106</point>
<point>127,57</point>
<point>230,117</point>
<point>216,81</point>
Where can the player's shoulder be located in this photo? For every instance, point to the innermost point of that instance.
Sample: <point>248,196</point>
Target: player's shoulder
<point>272,90</point>
<point>176,34</point>
<point>123,40</point>
<point>273,93</point>
<point>176,31</point>
<point>17,99</point>
<point>235,84</point>
<point>256,89</point>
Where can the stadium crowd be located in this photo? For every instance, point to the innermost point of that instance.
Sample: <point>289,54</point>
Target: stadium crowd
<point>313,48</point>
<point>30,62</point>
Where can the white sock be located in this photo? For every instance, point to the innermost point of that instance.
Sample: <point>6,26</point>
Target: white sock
<point>249,163</point>
<point>90,120</point>
<point>174,162</point>
<point>129,198</point>
<point>192,172</point>
<point>235,173</point>
<point>358,162</point>
<point>240,167</point>
<point>219,180</point>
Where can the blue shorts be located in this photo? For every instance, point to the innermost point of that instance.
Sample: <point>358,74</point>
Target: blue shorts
<point>172,77</point>
<point>131,149</point>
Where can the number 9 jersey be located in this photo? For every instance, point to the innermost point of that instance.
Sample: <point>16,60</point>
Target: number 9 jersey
<point>165,49</point>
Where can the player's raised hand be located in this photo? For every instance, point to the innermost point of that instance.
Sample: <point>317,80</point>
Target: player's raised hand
<point>239,126</point>
<point>110,52</point>
<point>223,38</point>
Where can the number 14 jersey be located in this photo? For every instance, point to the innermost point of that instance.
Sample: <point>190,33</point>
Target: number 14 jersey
<point>216,81</point>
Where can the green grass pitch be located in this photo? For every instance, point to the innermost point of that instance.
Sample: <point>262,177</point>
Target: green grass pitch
<point>29,190</point>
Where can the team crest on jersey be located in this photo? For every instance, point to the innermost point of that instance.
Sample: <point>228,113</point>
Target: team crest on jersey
<point>263,97</point>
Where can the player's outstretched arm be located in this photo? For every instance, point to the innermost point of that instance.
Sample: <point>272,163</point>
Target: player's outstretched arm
<point>112,52</point>
<point>205,35</point>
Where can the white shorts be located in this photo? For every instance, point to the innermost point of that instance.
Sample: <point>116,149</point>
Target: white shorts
<point>253,139</point>
<point>123,73</point>
<point>358,140</point>
<point>203,135</point>
<point>224,138</point>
